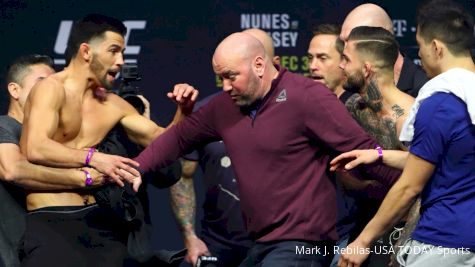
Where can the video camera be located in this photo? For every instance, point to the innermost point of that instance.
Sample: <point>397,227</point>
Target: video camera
<point>127,91</point>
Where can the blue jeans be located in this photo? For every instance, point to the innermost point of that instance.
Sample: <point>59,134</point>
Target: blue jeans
<point>290,254</point>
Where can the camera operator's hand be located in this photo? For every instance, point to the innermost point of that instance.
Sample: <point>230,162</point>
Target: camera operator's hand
<point>196,247</point>
<point>185,96</point>
<point>146,104</point>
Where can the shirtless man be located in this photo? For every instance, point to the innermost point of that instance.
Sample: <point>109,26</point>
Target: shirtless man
<point>16,173</point>
<point>66,115</point>
<point>368,59</point>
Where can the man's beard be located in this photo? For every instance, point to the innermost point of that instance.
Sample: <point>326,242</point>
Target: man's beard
<point>249,98</point>
<point>354,83</point>
<point>96,68</point>
<point>243,101</point>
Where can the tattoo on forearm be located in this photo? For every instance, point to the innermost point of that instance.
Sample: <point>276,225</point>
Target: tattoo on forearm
<point>183,202</point>
<point>411,222</point>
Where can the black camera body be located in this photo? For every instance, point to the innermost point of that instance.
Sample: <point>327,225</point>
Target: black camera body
<point>207,261</point>
<point>127,91</point>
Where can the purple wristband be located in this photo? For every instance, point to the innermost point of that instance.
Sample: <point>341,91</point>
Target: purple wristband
<point>89,156</point>
<point>88,181</point>
<point>380,152</point>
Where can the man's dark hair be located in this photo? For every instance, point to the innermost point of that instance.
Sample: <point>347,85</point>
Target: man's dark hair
<point>448,22</point>
<point>330,29</point>
<point>378,43</point>
<point>21,66</point>
<point>90,27</point>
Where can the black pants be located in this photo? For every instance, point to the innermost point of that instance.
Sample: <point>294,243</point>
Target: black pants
<point>228,257</point>
<point>290,254</point>
<point>74,236</point>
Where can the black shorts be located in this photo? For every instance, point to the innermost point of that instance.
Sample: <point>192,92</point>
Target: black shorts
<point>74,236</point>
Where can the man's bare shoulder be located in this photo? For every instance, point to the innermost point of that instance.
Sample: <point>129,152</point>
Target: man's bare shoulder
<point>406,101</point>
<point>118,102</point>
<point>403,105</point>
<point>401,109</point>
<point>52,85</point>
<point>113,106</point>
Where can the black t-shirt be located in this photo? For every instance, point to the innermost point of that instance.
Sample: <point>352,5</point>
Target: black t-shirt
<point>12,202</point>
<point>10,130</point>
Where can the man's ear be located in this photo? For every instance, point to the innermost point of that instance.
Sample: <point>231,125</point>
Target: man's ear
<point>14,90</point>
<point>367,69</point>
<point>438,48</point>
<point>85,51</point>
<point>259,66</point>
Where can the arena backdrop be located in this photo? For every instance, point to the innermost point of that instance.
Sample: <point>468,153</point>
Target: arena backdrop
<point>173,41</point>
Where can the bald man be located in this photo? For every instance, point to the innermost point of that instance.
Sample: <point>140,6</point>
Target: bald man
<point>408,76</point>
<point>266,40</point>
<point>223,233</point>
<point>279,129</point>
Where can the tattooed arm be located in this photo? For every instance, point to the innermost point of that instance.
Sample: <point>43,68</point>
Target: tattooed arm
<point>183,204</point>
<point>411,221</point>
<point>367,112</point>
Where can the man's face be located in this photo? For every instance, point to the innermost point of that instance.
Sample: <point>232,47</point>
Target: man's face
<point>352,66</point>
<point>239,79</point>
<point>35,73</point>
<point>427,56</point>
<point>107,58</point>
<point>324,60</point>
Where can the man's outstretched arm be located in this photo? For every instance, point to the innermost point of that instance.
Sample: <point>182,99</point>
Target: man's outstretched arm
<point>16,169</point>
<point>142,130</point>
